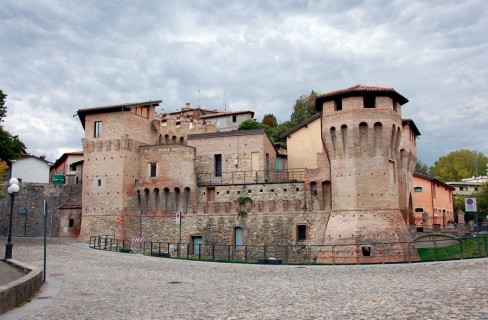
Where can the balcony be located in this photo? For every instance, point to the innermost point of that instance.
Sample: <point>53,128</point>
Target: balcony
<point>251,177</point>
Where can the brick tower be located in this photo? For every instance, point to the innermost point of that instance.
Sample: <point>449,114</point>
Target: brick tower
<point>113,135</point>
<point>362,134</point>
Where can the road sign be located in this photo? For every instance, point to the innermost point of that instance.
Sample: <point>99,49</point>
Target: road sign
<point>178,217</point>
<point>22,212</point>
<point>470,205</point>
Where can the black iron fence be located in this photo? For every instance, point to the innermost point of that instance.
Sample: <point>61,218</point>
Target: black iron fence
<point>357,253</point>
<point>251,177</point>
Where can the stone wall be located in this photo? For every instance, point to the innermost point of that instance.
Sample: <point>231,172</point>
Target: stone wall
<point>31,198</point>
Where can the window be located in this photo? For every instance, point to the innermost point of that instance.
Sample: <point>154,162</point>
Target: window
<point>234,118</point>
<point>369,101</point>
<point>461,188</point>
<point>71,223</point>
<point>419,209</point>
<point>338,104</point>
<point>238,238</point>
<point>99,182</point>
<point>98,129</point>
<point>301,232</point>
<point>152,169</point>
<point>417,189</point>
<point>218,165</point>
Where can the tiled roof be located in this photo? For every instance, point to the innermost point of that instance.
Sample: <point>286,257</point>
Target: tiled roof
<point>225,134</point>
<point>113,108</point>
<point>118,106</point>
<point>432,179</point>
<point>300,125</point>
<point>412,125</point>
<point>65,155</point>
<point>360,90</point>
<point>229,113</point>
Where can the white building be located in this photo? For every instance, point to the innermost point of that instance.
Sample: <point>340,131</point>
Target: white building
<point>31,169</point>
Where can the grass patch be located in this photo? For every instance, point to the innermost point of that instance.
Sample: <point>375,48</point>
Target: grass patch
<point>468,248</point>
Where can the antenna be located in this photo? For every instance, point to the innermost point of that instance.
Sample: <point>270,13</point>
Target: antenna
<point>225,101</point>
<point>199,99</point>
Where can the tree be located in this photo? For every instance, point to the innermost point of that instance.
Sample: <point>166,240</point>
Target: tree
<point>251,124</point>
<point>304,108</point>
<point>3,109</point>
<point>482,201</point>
<point>459,164</point>
<point>422,168</point>
<point>11,146</point>
<point>270,120</point>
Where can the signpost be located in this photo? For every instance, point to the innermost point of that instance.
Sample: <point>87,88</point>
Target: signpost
<point>178,222</point>
<point>45,244</point>
<point>470,206</point>
<point>23,212</point>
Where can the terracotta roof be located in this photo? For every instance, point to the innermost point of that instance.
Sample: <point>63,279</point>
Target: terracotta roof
<point>412,125</point>
<point>225,134</point>
<point>113,108</point>
<point>229,113</point>
<point>300,125</point>
<point>65,155</point>
<point>358,91</point>
<point>432,179</point>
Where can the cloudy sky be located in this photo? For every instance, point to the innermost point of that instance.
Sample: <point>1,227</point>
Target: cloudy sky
<point>59,56</point>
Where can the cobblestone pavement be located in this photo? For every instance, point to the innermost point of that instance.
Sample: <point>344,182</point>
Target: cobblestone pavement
<point>107,285</point>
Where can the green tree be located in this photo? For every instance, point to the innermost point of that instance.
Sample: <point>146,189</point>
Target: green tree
<point>460,164</point>
<point>3,108</point>
<point>270,120</point>
<point>422,168</point>
<point>251,124</point>
<point>11,146</point>
<point>304,108</point>
<point>482,201</point>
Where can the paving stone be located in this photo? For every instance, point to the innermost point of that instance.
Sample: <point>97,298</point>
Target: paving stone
<point>107,285</point>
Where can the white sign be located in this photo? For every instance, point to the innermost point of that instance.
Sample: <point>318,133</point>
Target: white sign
<point>470,205</point>
<point>178,217</point>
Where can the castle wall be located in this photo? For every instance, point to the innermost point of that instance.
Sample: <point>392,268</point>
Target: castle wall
<point>31,198</point>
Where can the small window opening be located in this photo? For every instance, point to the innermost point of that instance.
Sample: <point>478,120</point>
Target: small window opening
<point>417,189</point>
<point>98,129</point>
<point>99,182</point>
<point>338,104</point>
<point>301,232</point>
<point>366,251</point>
<point>71,223</point>
<point>369,101</point>
<point>234,118</point>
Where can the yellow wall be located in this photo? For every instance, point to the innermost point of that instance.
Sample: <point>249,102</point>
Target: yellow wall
<point>303,146</point>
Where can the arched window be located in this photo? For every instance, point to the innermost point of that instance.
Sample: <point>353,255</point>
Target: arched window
<point>166,139</point>
<point>177,198</point>
<point>182,140</point>
<point>186,199</point>
<point>166,198</point>
<point>146,199</point>
<point>173,140</point>
<point>156,199</point>
<point>238,238</point>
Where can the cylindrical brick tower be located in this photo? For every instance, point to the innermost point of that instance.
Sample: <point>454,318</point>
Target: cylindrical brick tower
<point>361,132</point>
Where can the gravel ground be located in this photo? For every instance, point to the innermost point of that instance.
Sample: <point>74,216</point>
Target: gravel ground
<point>107,285</point>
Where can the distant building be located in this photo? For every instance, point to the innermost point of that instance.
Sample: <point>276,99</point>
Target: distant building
<point>467,186</point>
<point>67,165</point>
<point>433,202</point>
<point>30,168</point>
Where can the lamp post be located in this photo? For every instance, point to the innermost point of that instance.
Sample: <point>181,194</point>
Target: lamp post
<point>12,190</point>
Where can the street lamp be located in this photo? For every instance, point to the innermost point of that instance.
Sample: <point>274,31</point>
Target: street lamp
<point>13,189</point>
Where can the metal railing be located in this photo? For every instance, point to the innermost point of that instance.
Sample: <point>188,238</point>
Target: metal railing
<point>251,177</point>
<point>357,253</point>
